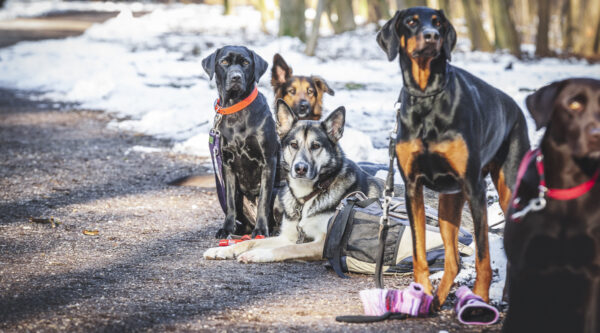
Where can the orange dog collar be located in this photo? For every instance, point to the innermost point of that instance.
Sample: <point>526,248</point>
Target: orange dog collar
<point>237,106</point>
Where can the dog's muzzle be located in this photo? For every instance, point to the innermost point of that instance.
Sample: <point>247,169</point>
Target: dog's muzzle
<point>235,80</point>
<point>303,108</point>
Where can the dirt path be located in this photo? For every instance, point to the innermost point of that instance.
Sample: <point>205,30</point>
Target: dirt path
<point>144,270</point>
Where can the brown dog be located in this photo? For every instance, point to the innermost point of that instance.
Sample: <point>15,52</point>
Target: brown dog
<point>553,250</point>
<point>304,94</point>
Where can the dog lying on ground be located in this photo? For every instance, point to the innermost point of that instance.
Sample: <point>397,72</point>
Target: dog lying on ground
<point>454,129</point>
<point>554,253</point>
<point>304,94</point>
<point>318,178</point>
<point>250,149</point>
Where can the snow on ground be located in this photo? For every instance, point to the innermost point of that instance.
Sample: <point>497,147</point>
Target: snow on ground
<point>148,71</point>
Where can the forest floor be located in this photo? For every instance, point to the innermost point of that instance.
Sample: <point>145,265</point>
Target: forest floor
<point>143,270</point>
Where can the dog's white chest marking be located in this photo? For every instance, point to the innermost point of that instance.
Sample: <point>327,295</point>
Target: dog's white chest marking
<point>312,227</point>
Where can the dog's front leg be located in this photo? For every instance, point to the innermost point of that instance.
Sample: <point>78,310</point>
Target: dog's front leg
<point>289,235</point>
<point>267,180</point>
<point>483,265</point>
<point>307,251</point>
<point>416,213</point>
<point>230,188</point>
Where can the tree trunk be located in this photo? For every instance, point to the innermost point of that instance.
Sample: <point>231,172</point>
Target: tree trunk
<point>341,15</point>
<point>445,5</point>
<point>588,36</point>
<point>291,19</point>
<point>311,45</point>
<point>265,14</point>
<point>479,40</point>
<point>542,48</point>
<point>416,3</point>
<point>378,10</point>
<point>226,7</point>
<point>505,30</point>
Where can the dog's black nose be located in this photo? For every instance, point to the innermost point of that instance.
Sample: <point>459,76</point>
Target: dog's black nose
<point>236,77</point>
<point>301,168</point>
<point>303,105</point>
<point>431,35</point>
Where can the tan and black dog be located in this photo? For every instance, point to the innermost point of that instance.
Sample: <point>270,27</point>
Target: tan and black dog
<point>304,94</point>
<point>454,129</point>
<point>553,251</point>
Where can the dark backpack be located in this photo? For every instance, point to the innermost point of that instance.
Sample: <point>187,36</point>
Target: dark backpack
<point>352,238</point>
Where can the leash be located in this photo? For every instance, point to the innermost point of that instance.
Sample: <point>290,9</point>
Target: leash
<point>544,192</point>
<point>389,193</point>
<point>322,187</point>
<point>214,142</point>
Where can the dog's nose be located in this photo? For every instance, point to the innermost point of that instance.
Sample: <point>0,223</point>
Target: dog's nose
<point>301,168</point>
<point>236,77</point>
<point>431,35</point>
<point>303,105</point>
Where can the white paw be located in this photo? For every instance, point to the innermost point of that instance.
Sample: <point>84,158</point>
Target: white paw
<point>221,252</point>
<point>258,255</point>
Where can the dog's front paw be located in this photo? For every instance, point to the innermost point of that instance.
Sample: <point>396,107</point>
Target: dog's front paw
<point>222,233</point>
<point>263,231</point>
<point>219,253</point>
<point>258,255</point>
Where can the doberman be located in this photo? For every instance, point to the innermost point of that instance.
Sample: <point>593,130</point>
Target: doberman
<point>454,129</point>
<point>304,94</point>
<point>553,249</point>
<point>250,148</point>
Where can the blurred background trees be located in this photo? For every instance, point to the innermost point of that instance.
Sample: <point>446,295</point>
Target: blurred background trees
<point>544,27</point>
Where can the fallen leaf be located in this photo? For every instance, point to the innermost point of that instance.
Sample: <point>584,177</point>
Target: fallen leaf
<point>91,232</point>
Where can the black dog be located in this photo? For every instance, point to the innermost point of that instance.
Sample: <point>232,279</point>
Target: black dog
<point>454,130</point>
<point>250,146</point>
<point>554,253</point>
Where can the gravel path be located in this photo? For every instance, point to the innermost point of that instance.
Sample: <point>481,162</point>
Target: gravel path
<point>143,271</point>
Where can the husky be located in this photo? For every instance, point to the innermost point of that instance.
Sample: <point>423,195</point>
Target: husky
<point>318,177</point>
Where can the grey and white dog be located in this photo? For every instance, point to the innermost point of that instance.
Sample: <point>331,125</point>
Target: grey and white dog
<point>318,178</point>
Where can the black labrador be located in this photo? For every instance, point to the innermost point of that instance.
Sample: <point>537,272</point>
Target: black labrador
<point>454,129</point>
<point>554,251</point>
<point>250,147</point>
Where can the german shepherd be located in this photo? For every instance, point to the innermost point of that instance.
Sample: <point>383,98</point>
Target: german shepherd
<point>318,178</point>
<point>304,94</point>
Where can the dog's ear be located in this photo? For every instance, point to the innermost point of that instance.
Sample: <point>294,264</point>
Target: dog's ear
<point>449,36</point>
<point>285,118</point>
<point>388,38</point>
<point>260,66</point>
<point>322,84</point>
<point>280,72</point>
<point>541,103</point>
<point>334,124</point>
<point>208,64</point>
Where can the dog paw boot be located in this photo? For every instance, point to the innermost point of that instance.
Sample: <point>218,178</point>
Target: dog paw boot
<point>472,310</point>
<point>411,300</point>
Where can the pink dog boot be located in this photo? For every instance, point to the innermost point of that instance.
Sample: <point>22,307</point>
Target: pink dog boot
<point>411,300</point>
<point>472,310</point>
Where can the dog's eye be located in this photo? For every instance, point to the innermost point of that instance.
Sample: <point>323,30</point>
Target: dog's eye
<point>310,91</point>
<point>291,91</point>
<point>575,105</point>
<point>245,63</point>
<point>224,62</point>
<point>294,144</point>
<point>315,146</point>
<point>436,22</point>
<point>411,22</point>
